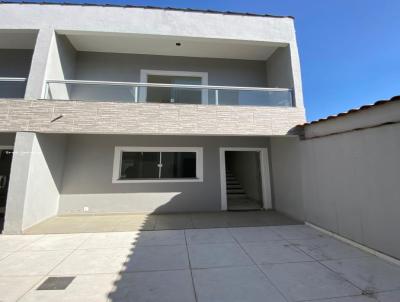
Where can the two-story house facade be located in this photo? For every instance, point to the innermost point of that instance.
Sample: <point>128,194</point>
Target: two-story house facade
<point>108,109</point>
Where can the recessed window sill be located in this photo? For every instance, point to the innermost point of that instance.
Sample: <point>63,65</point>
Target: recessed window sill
<point>155,180</point>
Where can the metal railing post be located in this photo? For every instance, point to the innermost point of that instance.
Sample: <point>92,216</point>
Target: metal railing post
<point>216,97</point>
<point>46,90</point>
<point>136,93</point>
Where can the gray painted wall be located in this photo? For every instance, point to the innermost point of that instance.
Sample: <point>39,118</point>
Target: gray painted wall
<point>14,63</point>
<point>279,69</point>
<point>7,139</point>
<point>351,185</point>
<point>36,175</point>
<point>285,170</point>
<point>88,175</point>
<point>126,68</point>
<point>61,66</point>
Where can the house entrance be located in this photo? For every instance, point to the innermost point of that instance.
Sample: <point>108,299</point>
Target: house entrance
<point>245,179</point>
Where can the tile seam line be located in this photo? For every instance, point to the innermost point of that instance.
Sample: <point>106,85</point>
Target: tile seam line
<point>190,267</point>
<point>258,267</point>
<point>47,274</point>
<point>362,247</point>
<point>339,297</point>
<point>331,270</point>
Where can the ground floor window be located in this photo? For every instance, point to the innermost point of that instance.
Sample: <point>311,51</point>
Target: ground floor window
<point>141,164</point>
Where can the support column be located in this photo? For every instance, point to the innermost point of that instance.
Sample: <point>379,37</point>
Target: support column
<point>35,180</point>
<point>18,184</point>
<point>37,74</point>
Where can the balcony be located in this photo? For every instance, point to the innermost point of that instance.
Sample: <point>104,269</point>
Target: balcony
<point>12,87</point>
<point>16,51</point>
<point>137,92</point>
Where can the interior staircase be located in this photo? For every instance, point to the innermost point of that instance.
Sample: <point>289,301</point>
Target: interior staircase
<point>237,197</point>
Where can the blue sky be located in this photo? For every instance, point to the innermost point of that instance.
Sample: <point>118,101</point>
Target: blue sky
<point>349,49</point>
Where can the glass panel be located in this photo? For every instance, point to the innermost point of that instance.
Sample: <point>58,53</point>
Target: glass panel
<point>140,165</point>
<point>12,89</point>
<point>177,95</point>
<point>254,97</point>
<point>83,92</point>
<point>178,165</point>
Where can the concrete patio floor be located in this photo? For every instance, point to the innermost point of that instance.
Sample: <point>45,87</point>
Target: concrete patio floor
<point>150,222</point>
<point>245,264</point>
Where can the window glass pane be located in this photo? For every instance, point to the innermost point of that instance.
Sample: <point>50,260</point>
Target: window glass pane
<point>173,94</point>
<point>138,165</point>
<point>178,165</point>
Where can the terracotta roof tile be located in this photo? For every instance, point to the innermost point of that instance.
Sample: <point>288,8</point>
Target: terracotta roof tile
<point>355,110</point>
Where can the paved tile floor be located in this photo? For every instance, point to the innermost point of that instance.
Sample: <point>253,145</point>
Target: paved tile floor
<point>243,264</point>
<point>137,222</point>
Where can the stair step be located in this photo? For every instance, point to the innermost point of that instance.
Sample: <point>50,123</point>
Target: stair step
<point>236,196</point>
<point>234,186</point>
<point>236,191</point>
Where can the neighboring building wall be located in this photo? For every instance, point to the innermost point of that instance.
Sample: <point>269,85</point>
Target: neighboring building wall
<point>285,162</point>
<point>14,63</point>
<point>388,112</point>
<point>89,167</point>
<point>36,175</point>
<point>122,118</point>
<point>351,185</point>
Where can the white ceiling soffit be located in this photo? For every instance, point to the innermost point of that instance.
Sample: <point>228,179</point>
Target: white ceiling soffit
<point>190,47</point>
<point>17,40</point>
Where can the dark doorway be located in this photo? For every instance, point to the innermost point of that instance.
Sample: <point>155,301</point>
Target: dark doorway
<point>243,180</point>
<point>5,168</point>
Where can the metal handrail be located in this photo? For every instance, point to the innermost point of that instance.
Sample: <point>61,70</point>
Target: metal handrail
<point>139,84</point>
<point>8,79</point>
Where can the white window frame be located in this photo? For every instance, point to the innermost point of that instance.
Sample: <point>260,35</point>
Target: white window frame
<point>118,158</point>
<point>144,74</point>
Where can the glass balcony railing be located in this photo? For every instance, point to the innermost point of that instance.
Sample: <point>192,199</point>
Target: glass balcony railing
<point>167,93</point>
<point>12,87</point>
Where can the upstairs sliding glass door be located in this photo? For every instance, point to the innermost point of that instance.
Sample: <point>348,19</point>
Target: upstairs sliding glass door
<point>178,95</point>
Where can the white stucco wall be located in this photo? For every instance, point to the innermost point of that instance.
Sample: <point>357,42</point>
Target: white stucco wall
<point>66,19</point>
<point>141,21</point>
